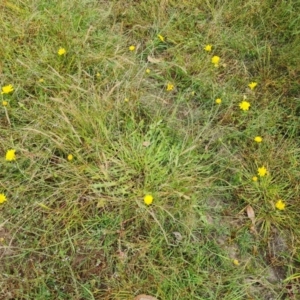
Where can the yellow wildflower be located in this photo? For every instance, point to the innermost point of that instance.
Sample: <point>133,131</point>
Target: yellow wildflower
<point>126,100</point>
<point>98,74</point>
<point>161,37</point>
<point>262,171</point>
<point>258,139</point>
<point>280,205</point>
<point>4,103</point>
<point>244,105</point>
<point>148,199</point>
<point>215,60</point>
<point>252,85</point>
<point>61,51</point>
<point>254,178</point>
<point>41,80</point>
<point>236,262</point>
<point>131,48</point>
<point>70,157</point>
<point>208,48</point>
<point>7,89</point>
<point>170,87</point>
<point>219,101</point>
<point>148,71</point>
<point>10,155</point>
<point>2,198</point>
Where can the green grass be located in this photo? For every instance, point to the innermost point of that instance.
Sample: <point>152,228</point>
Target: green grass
<point>79,229</point>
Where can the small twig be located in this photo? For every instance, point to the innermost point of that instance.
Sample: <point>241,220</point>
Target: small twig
<point>7,116</point>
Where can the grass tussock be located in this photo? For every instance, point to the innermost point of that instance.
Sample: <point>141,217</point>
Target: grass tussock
<point>114,100</point>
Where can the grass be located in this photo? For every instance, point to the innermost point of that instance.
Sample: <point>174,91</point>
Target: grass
<point>79,229</point>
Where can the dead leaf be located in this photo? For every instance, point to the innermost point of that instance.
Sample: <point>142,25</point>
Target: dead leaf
<point>101,203</point>
<point>251,216</point>
<point>254,250</point>
<point>146,144</point>
<point>144,297</point>
<point>250,213</point>
<point>177,235</point>
<point>122,255</point>
<point>253,229</point>
<point>153,59</point>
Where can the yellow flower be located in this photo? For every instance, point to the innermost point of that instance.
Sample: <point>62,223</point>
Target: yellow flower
<point>2,198</point>
<point>126,100</point>
<point>41,80</point>
<point>258,139</point>
<point>208,48</point>
<point>148,199</point>
<point>161,37</point>
<point>236,262</point>
<point>219,101</point>
<point>61,51</point>
<point>10,155</point>
<point>244,105</point>
<point>252,85</point>
<point>131,48</point>
<point>170,87</point>
<point>215,60</point>
<point>280,205</point>
<point>262,171</point>
<point>254,178</point>
<point>148,71</point>
<point>4,103</point>
<point>70,157</point>
<point>7,89</point>
<point>98,74</point>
